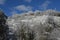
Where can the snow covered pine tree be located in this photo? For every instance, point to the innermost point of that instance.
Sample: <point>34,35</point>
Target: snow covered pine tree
<point>3,27</point>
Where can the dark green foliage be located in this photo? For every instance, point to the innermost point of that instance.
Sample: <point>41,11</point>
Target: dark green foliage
<point>31,36</point>
<point>3,27</point>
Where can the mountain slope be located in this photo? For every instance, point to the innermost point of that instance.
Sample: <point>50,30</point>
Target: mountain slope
<point>42,25</point>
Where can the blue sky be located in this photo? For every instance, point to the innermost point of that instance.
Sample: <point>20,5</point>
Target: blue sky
<point>10,7</point>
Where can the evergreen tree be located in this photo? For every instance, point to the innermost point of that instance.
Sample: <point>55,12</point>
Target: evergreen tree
<point>3,27</point>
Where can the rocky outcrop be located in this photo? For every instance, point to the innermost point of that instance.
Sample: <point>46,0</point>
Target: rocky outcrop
<point>32,26</point>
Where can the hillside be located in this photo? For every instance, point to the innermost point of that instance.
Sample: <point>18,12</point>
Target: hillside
<point>39,25</point>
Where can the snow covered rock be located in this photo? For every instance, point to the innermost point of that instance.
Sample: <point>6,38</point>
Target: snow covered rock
<point>35,27</point>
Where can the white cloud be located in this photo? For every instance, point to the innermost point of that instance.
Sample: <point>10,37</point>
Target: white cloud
<point>45,4</point>
<point>23,8</point>
<point>28,1</point>
<point>2,1</point>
